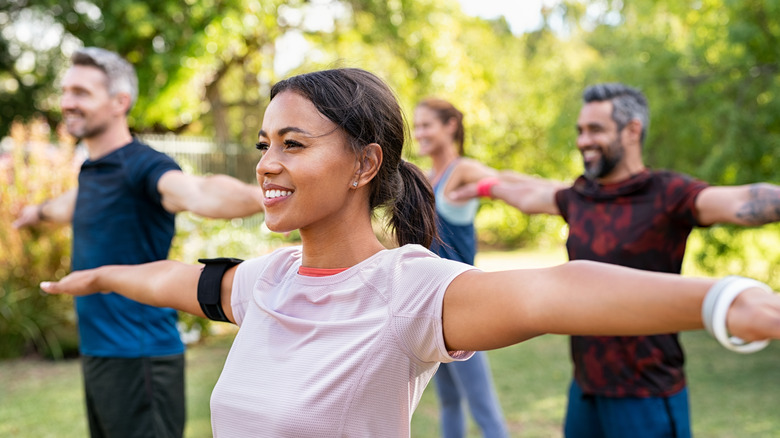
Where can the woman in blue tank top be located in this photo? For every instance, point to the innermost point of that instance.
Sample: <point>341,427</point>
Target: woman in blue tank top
<point>439,132</point>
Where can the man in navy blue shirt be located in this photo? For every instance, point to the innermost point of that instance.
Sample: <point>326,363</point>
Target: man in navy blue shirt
<point>123,213</point>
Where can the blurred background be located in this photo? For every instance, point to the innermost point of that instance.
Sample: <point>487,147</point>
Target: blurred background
<point>710,69</point>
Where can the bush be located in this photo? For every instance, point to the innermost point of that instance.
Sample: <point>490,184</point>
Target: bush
<point>198,237</point>
<point>34,169</point>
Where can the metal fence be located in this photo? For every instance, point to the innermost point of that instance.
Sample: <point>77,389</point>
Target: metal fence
<point>202,156</point>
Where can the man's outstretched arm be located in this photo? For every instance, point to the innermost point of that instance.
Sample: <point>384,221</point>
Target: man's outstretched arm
<point>748,205</point>
<point>58,210</point>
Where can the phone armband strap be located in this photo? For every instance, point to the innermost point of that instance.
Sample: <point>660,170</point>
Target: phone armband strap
<point>210,286</point>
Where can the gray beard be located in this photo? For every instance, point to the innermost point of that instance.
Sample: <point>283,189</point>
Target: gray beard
<point>606,163</point>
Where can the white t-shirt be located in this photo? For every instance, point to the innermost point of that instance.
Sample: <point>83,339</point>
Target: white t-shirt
<point>343,355</point>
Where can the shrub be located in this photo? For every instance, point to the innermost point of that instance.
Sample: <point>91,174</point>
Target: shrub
<point>33,169</point>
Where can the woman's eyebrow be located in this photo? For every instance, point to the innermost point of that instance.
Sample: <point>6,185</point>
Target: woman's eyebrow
<point>283,131</point>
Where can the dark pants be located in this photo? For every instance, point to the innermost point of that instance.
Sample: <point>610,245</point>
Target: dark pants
<point>134,398</point>
<point>589,416</point>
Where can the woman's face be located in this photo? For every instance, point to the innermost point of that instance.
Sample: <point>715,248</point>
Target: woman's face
<point>307,169</point>
<point>430,132</point>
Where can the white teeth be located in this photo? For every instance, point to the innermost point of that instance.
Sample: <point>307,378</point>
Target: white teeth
<point>277,193</point>
<point>588,154</point>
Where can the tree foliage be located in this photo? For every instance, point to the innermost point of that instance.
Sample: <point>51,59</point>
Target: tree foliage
<point>710,69</point>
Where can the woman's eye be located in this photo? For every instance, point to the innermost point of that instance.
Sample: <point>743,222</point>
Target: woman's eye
<point>292,144</point>
<point>261,146</point>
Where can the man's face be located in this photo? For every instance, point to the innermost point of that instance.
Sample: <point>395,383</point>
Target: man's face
<point>598,140</point>
<point>87,107</point>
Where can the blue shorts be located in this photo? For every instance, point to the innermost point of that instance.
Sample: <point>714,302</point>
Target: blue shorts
<point>590,416</point>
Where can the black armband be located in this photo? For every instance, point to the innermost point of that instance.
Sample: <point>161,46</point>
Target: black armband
<point>210,286</point>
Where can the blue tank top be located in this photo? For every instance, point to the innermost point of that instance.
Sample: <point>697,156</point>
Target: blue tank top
<point>455,223</point>
<point>119,220</point>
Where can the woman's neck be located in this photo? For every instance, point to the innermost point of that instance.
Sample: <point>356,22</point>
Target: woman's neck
<point>339,247</point>
<point>441,161</point>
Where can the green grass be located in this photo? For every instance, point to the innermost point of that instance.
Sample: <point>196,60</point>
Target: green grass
<point>732,395</point>
<point>42,398</point>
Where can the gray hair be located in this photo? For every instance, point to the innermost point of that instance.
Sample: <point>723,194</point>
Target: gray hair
<point>628,104</point>
<point>120,74</point>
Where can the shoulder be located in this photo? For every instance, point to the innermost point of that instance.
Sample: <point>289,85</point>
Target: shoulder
<point>273,263</point>
<point>677,179</point>
<point>143,153</point>
<point>414,264</point>
<point>468,163</point>
<point>467,170</point>
<point>146,162</point>
<point>470,166</point>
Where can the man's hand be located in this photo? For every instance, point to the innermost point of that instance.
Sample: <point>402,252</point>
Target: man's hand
<point>29,216</point>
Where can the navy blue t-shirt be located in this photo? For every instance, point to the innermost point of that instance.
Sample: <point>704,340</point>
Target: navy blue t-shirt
<point>119,220</point>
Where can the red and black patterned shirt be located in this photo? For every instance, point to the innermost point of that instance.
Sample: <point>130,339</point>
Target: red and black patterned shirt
<point>643,223</point>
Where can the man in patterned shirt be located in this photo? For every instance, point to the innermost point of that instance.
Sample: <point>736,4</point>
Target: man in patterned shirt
<point>621,212</point>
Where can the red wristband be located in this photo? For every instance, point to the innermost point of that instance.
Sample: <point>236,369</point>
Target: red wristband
<point>485,185</point>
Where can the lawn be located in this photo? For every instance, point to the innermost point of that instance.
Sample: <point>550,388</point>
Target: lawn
<point>732,395</point>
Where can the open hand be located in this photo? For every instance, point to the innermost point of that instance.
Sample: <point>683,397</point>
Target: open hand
<point>76,283</point>
<point>27,217</point>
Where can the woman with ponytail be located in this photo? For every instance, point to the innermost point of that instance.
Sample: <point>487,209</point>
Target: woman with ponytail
<point>440,134</point>
<point>339,336</point>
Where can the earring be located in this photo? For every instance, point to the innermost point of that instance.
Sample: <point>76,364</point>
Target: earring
<point>354,183</point>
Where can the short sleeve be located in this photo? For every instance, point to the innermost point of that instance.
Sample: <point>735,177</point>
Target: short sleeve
<point>680,192</point>
<point>243,285</point>
<point>146,166</point>
<point>154,171</point>
<point>423,280</point>
<point>562,201</point>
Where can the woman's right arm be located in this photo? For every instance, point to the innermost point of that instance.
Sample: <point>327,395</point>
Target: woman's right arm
<point>165,283</point>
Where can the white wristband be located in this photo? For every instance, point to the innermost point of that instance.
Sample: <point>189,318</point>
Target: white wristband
<point>716,306</point>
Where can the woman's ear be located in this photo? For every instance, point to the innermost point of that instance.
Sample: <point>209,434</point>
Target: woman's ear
<point>452,125</point>
<point>369,163</point>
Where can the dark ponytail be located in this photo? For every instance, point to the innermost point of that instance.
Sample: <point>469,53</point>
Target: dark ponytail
<point>414,213</point>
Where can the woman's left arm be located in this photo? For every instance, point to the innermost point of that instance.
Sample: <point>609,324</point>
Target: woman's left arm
<point>468,171</point>
<point>487,310</point>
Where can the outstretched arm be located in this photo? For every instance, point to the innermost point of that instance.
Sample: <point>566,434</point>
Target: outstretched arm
<point>58,210</point>
<point>215,196</point>
<point>752,204</point>
<point>165,283</point>
<point>528,194</point>
<point>487,310</point>
<point>466,172</point>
